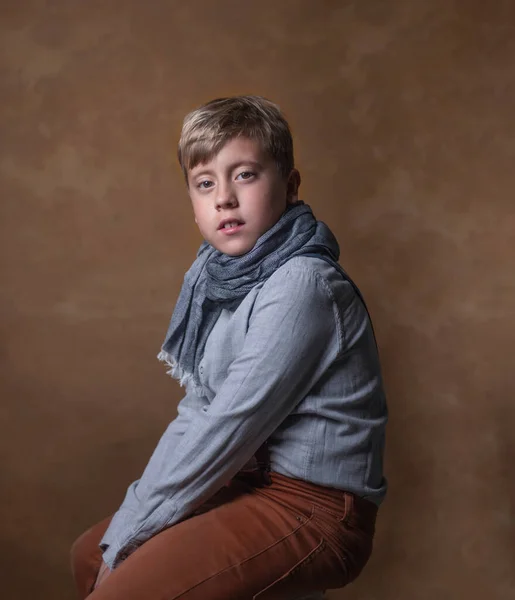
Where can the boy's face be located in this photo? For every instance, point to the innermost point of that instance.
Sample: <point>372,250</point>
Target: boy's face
<point>238,195</point>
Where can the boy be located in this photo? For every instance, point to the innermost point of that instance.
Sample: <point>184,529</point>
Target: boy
<point>267,483</point>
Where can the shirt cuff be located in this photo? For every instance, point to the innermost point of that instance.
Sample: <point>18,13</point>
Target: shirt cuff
<point>114,555</point>
<point>120,546</point>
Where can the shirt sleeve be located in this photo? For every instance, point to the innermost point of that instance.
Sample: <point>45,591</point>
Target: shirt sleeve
<point>293,337</point>
<point>123,519</point>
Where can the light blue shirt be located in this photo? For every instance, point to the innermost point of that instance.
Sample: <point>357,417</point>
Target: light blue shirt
<point>295,364</point>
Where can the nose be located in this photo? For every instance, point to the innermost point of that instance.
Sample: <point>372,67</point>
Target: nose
<point>226,197</point>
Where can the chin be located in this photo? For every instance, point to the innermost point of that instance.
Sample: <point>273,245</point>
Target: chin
<point>235,249</point>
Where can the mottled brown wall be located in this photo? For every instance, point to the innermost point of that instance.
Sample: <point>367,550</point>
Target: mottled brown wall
<point>404,118</point>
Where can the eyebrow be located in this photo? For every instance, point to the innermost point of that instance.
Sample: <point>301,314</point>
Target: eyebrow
<point>231,167</point>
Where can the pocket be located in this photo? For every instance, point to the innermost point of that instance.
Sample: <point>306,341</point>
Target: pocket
<point>338,510</point>
<point>302,513</point>
<point>361,517</point>
<point>349,544</point>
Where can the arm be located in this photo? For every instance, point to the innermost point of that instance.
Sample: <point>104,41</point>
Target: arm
<point>124,517</point>
<point>292,339</point>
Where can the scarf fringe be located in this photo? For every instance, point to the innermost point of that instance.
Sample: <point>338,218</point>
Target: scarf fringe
<point>175,370</point>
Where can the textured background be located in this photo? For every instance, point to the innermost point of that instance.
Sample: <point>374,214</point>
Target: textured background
<point>403,113</point>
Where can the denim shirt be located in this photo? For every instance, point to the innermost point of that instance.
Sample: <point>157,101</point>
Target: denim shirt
<point>295,364</point>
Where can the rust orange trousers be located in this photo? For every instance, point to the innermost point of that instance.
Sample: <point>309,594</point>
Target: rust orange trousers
<point>252,541</point>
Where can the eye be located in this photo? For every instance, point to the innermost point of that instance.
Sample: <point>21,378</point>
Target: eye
<point>245,175</point>
<point>204,185</point>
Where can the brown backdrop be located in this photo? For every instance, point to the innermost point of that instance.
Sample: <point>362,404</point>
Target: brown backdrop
<point>403,113</point>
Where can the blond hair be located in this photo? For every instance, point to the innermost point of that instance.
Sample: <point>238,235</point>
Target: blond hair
<point>208,128</point>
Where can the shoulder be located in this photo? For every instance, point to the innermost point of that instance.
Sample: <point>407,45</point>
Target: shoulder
<point>308,277</point>
<point>300,274</point>
<point>309,291</point>
<point>298,304</point>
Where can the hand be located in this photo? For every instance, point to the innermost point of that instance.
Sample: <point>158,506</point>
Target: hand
<point>103,574</point>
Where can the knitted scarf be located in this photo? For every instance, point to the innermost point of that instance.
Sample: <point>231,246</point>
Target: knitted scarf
<point>216,281</point>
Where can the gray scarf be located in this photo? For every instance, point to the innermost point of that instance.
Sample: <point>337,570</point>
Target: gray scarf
<point>216,281</point>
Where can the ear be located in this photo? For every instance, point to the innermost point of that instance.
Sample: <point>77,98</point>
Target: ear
<point>292,187</point>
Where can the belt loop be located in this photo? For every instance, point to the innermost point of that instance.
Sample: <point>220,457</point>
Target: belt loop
<point>349,506</point>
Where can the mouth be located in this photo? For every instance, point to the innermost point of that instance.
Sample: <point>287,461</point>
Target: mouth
<point>229,226</point>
